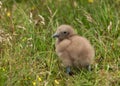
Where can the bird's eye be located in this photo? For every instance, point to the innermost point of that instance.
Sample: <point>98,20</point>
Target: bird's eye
<point>64,32</point>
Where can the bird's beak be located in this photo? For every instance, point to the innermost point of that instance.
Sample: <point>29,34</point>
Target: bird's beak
<point>55,35</point>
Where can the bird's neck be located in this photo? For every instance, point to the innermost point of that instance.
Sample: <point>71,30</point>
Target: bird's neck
<point>72,35</point>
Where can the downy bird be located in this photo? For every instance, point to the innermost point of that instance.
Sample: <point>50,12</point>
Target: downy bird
<point>72,49</point>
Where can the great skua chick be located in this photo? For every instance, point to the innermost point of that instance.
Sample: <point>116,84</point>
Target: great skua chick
<point>72,49</point>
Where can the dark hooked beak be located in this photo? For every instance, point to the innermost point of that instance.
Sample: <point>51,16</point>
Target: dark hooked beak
<point>55,35</point>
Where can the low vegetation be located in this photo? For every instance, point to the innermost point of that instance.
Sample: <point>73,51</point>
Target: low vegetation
<point>27,55</point>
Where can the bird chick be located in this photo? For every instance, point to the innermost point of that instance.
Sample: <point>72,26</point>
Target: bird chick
<point>73,49</point>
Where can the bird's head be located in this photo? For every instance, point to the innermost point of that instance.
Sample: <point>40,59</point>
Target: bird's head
<point>64,32</point>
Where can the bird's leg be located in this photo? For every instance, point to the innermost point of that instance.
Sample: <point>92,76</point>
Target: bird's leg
<point>68,70</point>
<point>88,67</point>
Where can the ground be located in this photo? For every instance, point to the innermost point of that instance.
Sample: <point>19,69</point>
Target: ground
<point>27,54</point>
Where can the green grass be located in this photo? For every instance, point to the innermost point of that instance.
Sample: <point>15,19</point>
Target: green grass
<point>27,48</point>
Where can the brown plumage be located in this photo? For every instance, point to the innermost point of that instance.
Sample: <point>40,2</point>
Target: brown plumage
<point>73,49</point>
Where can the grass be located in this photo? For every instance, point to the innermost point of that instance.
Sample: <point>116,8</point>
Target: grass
<point>27,55</point>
